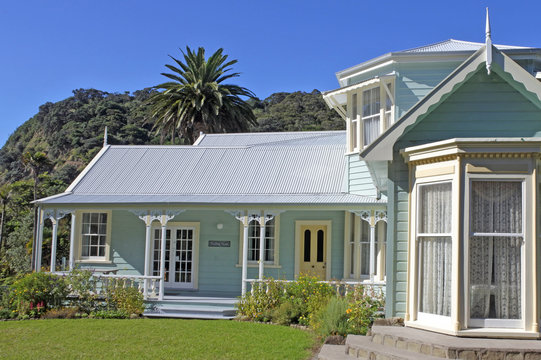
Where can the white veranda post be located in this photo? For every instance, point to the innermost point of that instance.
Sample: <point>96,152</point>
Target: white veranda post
<point>72,243</point>
<point>245,220</point>
<point>39,240</point>
<point>372,218</point>
<point>54,215</point>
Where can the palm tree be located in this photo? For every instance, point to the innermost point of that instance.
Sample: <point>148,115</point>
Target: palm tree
<point>37,163</point>
<point>197,100</point>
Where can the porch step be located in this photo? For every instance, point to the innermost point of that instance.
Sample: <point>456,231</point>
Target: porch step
<point>196,308</point>
<point>362,347</point>
<point>334,352</point>
<point>440,346</point>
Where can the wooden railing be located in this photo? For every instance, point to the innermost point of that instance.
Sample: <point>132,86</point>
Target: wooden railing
<point>149,286</point>
<point>343,288</point>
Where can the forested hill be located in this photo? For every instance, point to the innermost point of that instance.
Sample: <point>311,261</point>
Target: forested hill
<point>70,132</point>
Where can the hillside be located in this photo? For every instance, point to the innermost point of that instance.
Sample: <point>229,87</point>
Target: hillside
<point>70,132</point>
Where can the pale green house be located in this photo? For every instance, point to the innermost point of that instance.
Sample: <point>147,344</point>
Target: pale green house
<point>431,193</point>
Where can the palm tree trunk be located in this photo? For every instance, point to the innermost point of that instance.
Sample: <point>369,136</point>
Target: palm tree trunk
<point>2,225</point>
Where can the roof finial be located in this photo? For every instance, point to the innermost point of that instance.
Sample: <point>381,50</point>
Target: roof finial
<point>488,44</point>
<point>105,137</point>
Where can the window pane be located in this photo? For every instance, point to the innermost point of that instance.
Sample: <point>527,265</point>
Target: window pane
<point>353,106</point>
<point>496,207</point>
<point>435,208</point>
<point>365,259</point>
<point>320,245</point>
<point>435,254</point>
<point>307,239</point>
<point>495,277</point>
<point>371,129</point>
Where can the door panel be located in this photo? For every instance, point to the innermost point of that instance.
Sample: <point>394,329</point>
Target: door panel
<point>313,250</point>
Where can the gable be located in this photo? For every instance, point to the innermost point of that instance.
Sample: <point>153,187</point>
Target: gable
<point>483,106</point>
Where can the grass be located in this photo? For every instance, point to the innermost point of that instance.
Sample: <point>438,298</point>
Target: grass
<point>151,339</point>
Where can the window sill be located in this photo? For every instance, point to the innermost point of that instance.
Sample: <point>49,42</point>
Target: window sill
<point>93,261</point>
<point>256,265</point>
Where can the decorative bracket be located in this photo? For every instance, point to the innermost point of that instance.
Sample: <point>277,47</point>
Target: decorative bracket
<point>56,214</point>
<point>380,215</point>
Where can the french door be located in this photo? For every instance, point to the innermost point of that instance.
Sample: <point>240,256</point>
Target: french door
<point>179,256</point>
<point>496,252</point>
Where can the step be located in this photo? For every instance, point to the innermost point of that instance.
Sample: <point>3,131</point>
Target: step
<point>362,347</point>
<point>453,347</point>
<point>334,352</point>
<point>191,311</point>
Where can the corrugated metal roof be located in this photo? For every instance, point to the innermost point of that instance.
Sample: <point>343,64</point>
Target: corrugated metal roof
<point>290,199</point>
<point>293,169</point>
<point>455,45</point>
<point>248,139</point>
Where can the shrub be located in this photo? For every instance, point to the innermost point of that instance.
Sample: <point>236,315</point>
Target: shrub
<point>332,319</point>
<point>109,314</point>
<point>285,314</point>
<point>83,286</point>
<point>259,304</point>
<point>127,300</point>
<point>61,313</point>
<point>6,313</point>
<point>33,293</point>
<point>308,295</point>
<point>364,307</point>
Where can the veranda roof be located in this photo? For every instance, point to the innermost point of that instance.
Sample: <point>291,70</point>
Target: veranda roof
<point>299,170</point>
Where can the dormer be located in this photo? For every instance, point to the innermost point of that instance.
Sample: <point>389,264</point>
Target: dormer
<point>376,93</point>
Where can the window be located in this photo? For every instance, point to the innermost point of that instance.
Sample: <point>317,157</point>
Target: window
<point>495,249</point>
<point>94,235</point>
<point>370,113</point>
<point>434,240</point>
<point>357,251</point>
<point>254,241</point>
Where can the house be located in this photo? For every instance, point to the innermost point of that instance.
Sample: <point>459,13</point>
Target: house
<point>432,191</point>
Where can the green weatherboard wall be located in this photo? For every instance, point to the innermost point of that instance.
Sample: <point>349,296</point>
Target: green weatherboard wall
<point>484,106</point>
<point>219,267</point>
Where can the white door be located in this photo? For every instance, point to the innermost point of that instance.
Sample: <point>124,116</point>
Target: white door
<point>179,256</point>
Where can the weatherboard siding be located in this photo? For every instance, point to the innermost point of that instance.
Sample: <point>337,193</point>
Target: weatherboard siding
<point>359,180</point>
<point>484,106</point>
<point>219,267</point>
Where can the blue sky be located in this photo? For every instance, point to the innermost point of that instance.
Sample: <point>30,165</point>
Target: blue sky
<point>51,47</point>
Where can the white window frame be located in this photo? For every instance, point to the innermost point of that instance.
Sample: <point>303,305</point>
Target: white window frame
<point>431,320</point>
<point>254,238</point>
<point>494,323</point>
<point>79,220</point>
<point>355,121</point>
<point>353,243</point>
<point>268,264</point>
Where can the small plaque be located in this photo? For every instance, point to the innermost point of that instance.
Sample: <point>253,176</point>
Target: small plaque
<point>219,243</point>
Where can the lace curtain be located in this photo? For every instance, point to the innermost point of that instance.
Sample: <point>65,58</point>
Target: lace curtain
<point>435,251</point>
<point>495,261</point>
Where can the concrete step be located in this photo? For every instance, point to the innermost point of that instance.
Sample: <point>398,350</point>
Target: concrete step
<point>334,352</point>
<point>362,347</point>
<point>453,347</point>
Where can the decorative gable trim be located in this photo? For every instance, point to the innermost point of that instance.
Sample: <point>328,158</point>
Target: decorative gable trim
<point>382,148</point>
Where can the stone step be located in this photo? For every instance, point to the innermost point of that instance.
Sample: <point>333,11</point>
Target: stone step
<point>362,347</point>
<point>454,347</point>
<point>334,352</point>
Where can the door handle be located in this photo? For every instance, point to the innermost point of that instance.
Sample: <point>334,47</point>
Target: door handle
<point>313,266</point>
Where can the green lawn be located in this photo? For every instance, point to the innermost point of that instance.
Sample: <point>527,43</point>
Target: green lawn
<point>151,339</point>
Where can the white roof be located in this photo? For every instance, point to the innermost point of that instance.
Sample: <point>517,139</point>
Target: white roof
<point>452,45</point>
<point>307,169</point>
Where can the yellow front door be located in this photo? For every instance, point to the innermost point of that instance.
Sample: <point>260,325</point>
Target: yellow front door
<point>313,259</point>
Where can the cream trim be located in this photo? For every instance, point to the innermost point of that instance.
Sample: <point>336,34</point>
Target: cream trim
<point>79,238</point>
<point>298,239</point>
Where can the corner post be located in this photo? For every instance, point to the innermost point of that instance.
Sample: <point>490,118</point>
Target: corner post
<point>72,243</point>
<point>261,246</point>
<point>245,223</point>
<point>39,241</point>
<point>148,222</point>
<point>54,239</point>
<point>162,259</point>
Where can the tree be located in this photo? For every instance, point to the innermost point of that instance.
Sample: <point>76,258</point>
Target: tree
<point>5,196</point>
<point>197,100</point>
<point>37,163</point>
